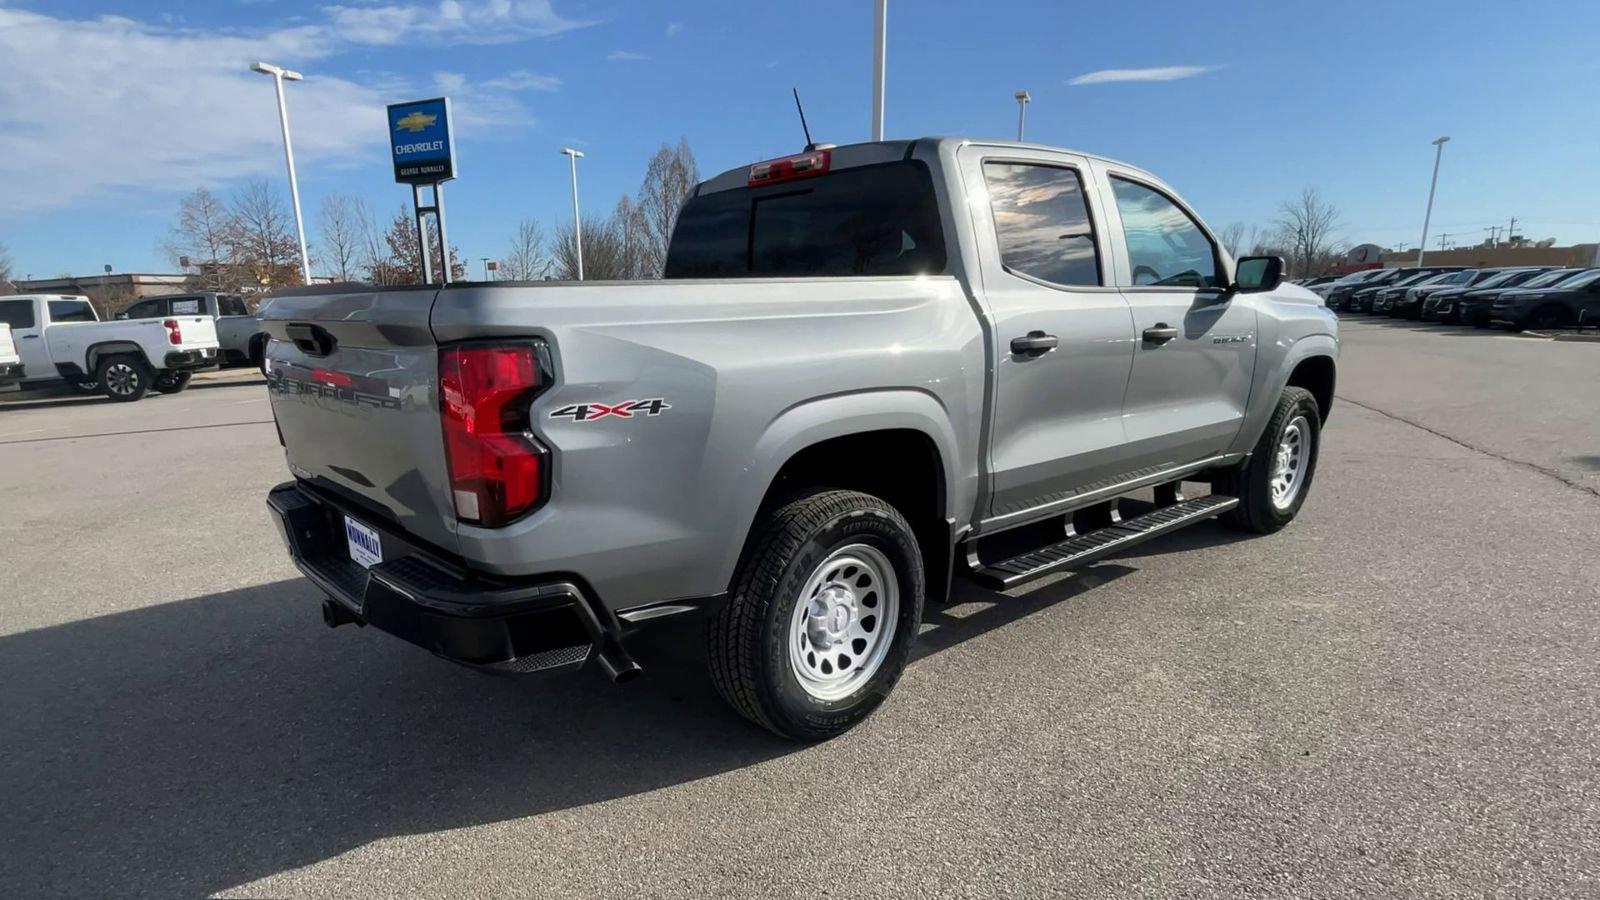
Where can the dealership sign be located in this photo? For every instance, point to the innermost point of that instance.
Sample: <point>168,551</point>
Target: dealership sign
<point>421,141</point>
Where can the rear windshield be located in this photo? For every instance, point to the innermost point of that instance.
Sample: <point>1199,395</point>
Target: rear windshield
<point>71,311</point>
<point>870,220</point>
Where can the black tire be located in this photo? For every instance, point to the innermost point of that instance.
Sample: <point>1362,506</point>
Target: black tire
<point>748,639</point>
<point>258,352</point>
<point>123,377</point>
<point>172,382</point>
<point>1251,480</point>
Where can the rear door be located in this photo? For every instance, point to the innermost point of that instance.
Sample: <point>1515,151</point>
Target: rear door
<point>353,381</point>
<point>1061,329</point>
<point>1195,343</point>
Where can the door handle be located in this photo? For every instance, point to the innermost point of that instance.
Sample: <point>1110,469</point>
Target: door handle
<point>1160,333</point>
<point>30,337</point>
<point>1036,343</point>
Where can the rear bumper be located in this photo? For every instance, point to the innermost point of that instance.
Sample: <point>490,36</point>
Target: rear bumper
<point>500,626</point>
<point>191,359</point>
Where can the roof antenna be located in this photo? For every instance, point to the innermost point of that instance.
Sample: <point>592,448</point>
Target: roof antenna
<point>803,127</point>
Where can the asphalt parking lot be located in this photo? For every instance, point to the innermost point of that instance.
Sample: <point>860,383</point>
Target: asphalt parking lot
<point>1397,696</point>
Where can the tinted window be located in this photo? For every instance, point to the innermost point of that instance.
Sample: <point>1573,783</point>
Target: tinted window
<point>231,306</point>
<point>17,313</point>
<point>1550,278</point>
<point>143,309</point>
<point>1042,222</point>
<point>872,220</point>
<point>1586,278</point>
<point>1165,246</point>
<point>71,311</point>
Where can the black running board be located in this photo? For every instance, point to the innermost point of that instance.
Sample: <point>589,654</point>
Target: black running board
<point>1082,549</point>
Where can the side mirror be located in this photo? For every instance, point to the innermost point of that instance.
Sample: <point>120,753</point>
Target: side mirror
<point>1254,274</point>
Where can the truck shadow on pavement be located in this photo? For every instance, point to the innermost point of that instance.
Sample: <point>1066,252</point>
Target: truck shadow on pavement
<point>196,746</point>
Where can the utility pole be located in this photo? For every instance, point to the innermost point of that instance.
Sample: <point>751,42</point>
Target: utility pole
<point>485,261</point>
<point>1438,154</point>
<point>1511,230</point>
<point>879,50</point>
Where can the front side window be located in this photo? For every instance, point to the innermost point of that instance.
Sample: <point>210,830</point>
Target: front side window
<point>143,309</point>
<point>231,306</point>
<point>17,313</point>
<point>1165,246</point>
<point>1042,222</point>
<point>71,311</point>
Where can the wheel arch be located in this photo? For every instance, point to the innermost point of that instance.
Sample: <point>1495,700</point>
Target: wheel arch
<point>896,445</point>
<point>95,352</point>
<point>1316,374</point>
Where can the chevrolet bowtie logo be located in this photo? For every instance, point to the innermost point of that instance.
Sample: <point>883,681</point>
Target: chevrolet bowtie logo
<point>415,122</point>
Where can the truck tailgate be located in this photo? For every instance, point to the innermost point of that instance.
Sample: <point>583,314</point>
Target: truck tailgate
<point>199,332</point>
<point>353,380</point>
<point>8,347</point>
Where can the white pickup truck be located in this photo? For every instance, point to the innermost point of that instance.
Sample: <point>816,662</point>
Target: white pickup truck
<point>60,338</point>
<point>10,362</point>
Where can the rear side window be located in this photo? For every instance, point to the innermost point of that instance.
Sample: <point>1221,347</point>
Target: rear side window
<point>1042,222</point>
<point>188,306</point>
<point>71,311</point>
<point>1166,247</point>
<point>871,220</point>
<point>17,313</point>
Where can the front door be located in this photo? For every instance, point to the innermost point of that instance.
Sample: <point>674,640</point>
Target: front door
<point>1062,335</point>
<point>1195,349</point>
<point>27,332</point>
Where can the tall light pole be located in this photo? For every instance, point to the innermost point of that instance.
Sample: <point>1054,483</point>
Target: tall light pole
<point>1437,155</point>
<point>278,76</point>
<point>879,46</point>
<point>1022,111</point>
<point>577,221</point>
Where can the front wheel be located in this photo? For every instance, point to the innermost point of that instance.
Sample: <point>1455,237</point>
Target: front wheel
<point>1273,483</point>
<point>821,619</point>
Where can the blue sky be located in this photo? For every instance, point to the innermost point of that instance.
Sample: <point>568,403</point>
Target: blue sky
<point>110,111</point>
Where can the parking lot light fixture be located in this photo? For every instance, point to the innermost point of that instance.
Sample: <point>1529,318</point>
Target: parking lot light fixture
<point>1438,154</point>
<point>577,221</point>
<point>1023,99</point>
<point>279,75</point>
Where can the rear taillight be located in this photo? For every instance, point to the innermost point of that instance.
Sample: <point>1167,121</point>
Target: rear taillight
<point>498,472</point>
<point>789,168</point>
<point>174,333</point>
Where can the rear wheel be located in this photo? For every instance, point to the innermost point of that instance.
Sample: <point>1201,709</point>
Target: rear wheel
<point>124,378</point>
<point>822,616</point>
<point>172,382</point>
<point>1273,483</point>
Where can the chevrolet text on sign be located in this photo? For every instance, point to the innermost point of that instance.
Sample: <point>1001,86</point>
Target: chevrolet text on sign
<point>421,142</point>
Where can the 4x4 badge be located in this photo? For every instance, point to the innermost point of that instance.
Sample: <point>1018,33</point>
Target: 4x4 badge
<point>588,412</point>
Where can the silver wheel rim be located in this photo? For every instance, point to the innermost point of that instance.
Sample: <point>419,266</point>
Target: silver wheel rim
<point>121,379</point>
<point>844,622</point>
<point>1289,462</point>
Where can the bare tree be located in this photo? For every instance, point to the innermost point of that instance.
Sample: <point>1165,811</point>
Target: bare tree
<point>203,233</point>
<point>1239,238</point>
<point>260,237</point>
<point>526,260</point>
<point>1306,228</point>
<point>340,221</point>
<point>603,256</point>
<point>6,286</point>
<point>635,244</point>
<point>668,181</point>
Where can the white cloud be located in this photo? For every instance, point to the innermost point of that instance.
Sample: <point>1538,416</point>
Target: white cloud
<point>456,21</point>
<point>113,107</point>
<point>1161,73</point>
<point>625,56</point>
<point>674,29</point>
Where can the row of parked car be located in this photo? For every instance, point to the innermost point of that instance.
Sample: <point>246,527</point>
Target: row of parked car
<point>156,344</point>
<point>1515,297</point>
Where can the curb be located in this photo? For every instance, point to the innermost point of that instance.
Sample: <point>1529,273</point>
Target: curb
<point>1579,338</point>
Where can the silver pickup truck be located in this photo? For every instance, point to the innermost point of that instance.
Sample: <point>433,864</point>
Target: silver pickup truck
<point>870,370</point>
